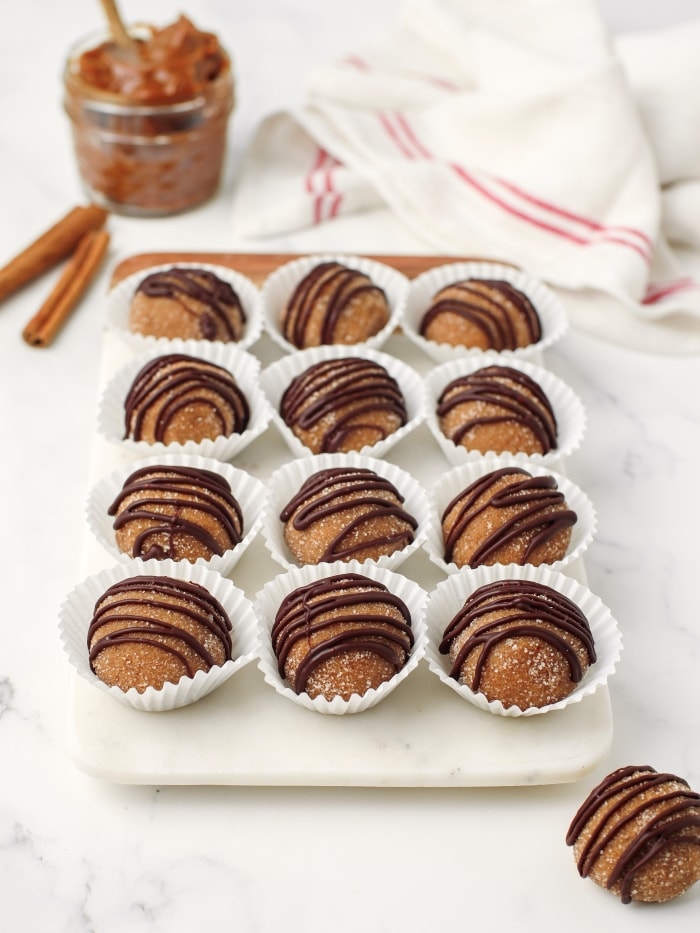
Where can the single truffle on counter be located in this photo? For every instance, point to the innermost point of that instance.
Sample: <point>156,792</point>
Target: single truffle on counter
<point>485,314</point>
<point>177,512</point>
<point>177,398</point>
<point>507,516</point>
<point>638,835</point>
<point>346,513</point>
<point>147,631</point>
<point>341,635</point>
<point>343,404</point>
<point>499,409</point>
<point>334,304</point>
<point>520,642</point>
<point>188,303</point>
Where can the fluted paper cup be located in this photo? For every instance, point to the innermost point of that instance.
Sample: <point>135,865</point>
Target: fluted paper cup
<point>268,600</point>
<point>120,298</point>
<point>77,611</point>
<point>457,479</point>
<point>424,287</point>
<point>288,479</point>
<point>450,595</point>
<point>568,409</point>
<point>249,492</point>
<point>276,377</point>
<point>245,369</point>
<point>280,284</point>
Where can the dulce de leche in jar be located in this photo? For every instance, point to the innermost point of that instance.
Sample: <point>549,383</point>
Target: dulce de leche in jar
<point>150,120</point>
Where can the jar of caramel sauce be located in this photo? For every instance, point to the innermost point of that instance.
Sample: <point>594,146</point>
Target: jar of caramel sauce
<point>150,121</point>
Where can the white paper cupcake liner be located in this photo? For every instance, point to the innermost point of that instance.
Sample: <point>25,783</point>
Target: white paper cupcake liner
<point>280,284</point>
<point>267,602</point>
<point>567,406</point>
<point>450,484</point>
<point>288,479</point>
<point>244,367</point>
<point>120,298</point>
<point>276,377</point>
<point>449,596</point>
<point>77,611</point>
<point>551,311</point>
<point>249,492</point>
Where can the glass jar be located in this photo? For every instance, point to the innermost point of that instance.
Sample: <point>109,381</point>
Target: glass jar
<point>148,159</point>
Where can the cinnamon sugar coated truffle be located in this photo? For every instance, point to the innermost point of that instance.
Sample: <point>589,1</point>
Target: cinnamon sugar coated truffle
<point>507,516</point>
<point>519,642</point>
<point>147,631</point>
<point>334,304</point>
<point>344,404</point>
<point>346,513</point>
<point>485,314</point>
<point>499,409</point>
<point>342,635</point>
<point>188,303</point>
<point>176,512</point>
<point>638,835</point>
<point>177,398</point>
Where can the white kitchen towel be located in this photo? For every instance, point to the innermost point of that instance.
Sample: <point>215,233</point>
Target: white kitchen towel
<point>511,129</point>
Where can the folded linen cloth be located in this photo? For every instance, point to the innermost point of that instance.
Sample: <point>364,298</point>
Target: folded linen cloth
<point>514,130</point>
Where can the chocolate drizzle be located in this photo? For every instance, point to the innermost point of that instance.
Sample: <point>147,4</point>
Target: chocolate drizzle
<point>180,605</point>
<point>512,397</point>
<point>202,295</point>
<point>667,815</point>
<point>540,515</point>
<point>337,490</point>
<point>161,495</point>
<point>346,395</point>
<point>333,287</point>
<point>336,615</point>
<point>508,609</point>
<point>168,384</point>
<point>493,307</point>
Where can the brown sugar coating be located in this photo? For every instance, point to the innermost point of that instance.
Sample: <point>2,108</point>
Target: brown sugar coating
<point>147,631</point>
<point>194,304</point>
<point>176,398</point>
<point>334,304</point>
<point>487,314</point>
<point>346,513</point>
<point>519,642</point>
<point>176,512</point>
<point>342,635</point>
<point>507,516</point>
<point>343,404</point>
<point>638,835</point>
<point>497,409</point>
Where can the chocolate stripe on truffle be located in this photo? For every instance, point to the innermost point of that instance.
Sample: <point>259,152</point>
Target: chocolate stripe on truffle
<point>668,816</point>
<point>200,285</point>
<point>540,511</point>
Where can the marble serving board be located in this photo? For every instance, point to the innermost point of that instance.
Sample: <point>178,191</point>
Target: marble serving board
<point>244,733</point>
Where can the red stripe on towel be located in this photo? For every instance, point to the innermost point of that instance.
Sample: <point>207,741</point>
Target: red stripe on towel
<point>660,290</point>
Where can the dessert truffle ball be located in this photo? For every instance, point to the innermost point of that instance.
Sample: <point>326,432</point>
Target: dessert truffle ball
<point>499,409</point>
<point>192,304</point>
<point>147,631</point>
<point>346,513</point>
<point>176,512</point>
<point>343,404</point>
<point>485,314</point>
<point>342,635</point>
<point>334,304</point>
<point>507,516</point>
<point>519,642</point>
<point>638,835</point>
<point>177,398</point>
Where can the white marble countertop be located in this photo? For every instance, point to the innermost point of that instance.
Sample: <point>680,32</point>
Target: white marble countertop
<point>80,854</point>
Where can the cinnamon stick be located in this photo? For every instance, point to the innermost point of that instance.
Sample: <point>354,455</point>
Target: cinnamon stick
<point>75,278</point>
<point>51,247</point>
